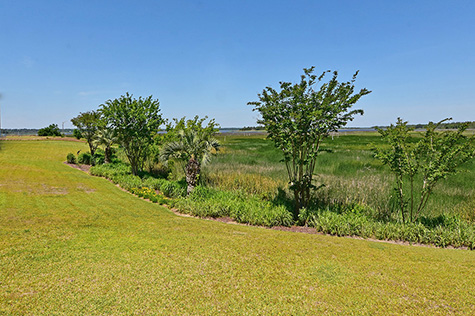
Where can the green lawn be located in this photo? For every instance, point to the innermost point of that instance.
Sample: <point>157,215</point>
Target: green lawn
<point>78,245</point>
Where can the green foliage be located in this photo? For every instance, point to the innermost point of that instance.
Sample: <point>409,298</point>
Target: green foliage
<point>435,156</point>
<point>192,144</point>
<point>51,130</point>
<point>85,158</point>
<point>106,137</point>
<point>243,208</point>
<point>88,125</point>
<point>110,171</point>
<point>120,174</point>
<point>442,231</point>
<point>298,117</point>
<point>71,158</point>
<point>77,133</point>
<point>135,123</point>
<point>149,194</point>
<point>99,157</point>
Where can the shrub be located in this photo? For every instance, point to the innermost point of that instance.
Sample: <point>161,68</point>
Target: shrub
<point>99,157</point>
<point>442,231</point>
<point>85,158</point>
<point>243,208</point>
<point>71,158</point>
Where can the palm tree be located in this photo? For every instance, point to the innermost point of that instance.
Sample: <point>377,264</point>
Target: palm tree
<point>106,137</point>
<point>193,148</point>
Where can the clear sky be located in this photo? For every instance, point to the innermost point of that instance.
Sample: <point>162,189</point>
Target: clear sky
<point>59,58</point>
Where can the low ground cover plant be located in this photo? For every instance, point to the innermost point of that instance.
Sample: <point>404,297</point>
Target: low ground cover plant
<point>121,174</point>
<point>243,208</point>
<point>202,202</point>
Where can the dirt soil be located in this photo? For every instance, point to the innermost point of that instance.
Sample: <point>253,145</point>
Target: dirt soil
<point>84,168</point>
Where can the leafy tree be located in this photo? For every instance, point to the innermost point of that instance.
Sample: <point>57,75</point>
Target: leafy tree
<point>77,134</point>
<point>52,130</point>
<point>299,116</point>
<point>88,125</point>
<point>193,145</point>
<point>106,137</point>
<point>135,122</point>
<point>435,156</point>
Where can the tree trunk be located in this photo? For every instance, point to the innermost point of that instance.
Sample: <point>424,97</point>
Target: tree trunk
<point>192,171</point>
<point>297,204</point>
<point>107,155</point>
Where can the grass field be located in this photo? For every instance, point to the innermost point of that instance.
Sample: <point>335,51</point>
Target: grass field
<point>72,244</point>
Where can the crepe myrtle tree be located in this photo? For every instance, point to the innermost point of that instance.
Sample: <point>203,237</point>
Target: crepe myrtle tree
<point>299,116</point>
<point>135,122</point>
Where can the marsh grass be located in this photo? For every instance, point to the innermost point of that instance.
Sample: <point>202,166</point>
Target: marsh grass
<point>346,166</point>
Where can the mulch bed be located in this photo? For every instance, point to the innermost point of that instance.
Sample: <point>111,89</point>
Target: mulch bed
<point>84,168</point>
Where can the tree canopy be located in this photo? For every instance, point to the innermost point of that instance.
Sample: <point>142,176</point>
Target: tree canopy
<point>88,125</point>
<point>51,130</point>
<point>135,122</point>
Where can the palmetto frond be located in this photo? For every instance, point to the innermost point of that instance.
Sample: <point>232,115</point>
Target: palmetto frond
<point>191,144</point>
<point>106,137</point>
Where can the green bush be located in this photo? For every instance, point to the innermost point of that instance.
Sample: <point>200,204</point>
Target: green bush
<point>85,158</point>
<point>442,231</point>
<point>120,173</point>
<point>99,157</point>
<point>243,208</point>
<point>71,158</point>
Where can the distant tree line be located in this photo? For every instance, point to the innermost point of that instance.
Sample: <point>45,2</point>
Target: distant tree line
<point>253,128</point>
<point>28,131</point>
<point>442,126</point>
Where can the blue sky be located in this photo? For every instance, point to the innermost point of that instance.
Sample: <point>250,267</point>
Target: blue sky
<point>59,58</point>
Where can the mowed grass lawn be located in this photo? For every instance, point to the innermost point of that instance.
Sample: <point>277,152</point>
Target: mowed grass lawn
<point>73,244</point>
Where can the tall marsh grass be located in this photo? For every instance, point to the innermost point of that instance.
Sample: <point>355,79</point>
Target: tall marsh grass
<point>250,183</point>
